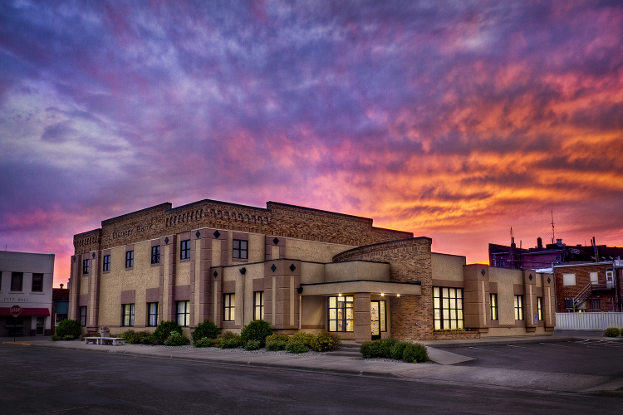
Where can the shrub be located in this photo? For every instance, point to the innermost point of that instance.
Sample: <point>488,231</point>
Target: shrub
<point>611,332</point>
<point>176,339</point>
<point>164,329</point>
<point>56,338</point>
<point>297,347</point>
<point>276,342</point>
<point>252,345</point>
<point>68,328</point>
<point>397,350</point>
<point>370,349</point>
<point>385,347</point>
<point>621,331</point>
<point>325,342</point>
<point>229,340</point>
<point>414,352</point>
<point>68,337</point>
<point>138,337</point>
<point>206,329</point>
<point>256,330</point>
<point>302,337</point>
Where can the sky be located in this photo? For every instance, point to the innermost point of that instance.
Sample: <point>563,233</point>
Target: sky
<point>449,119</point>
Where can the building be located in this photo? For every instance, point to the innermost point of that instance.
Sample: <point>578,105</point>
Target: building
<point>26,281</point>
<point>297,268</point>
<point>540,256</point>
<point>589,286</point>
<point>60,305</point>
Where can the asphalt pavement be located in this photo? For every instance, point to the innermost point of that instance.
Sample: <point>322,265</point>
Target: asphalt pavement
<point>446,365</point>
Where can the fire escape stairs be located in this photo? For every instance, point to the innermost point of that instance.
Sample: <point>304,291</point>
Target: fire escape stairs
<point>586,292</point>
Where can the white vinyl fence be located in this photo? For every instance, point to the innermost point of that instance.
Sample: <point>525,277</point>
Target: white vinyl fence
<point>588,321</point>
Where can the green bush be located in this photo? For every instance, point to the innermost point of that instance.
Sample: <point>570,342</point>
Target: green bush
<point>68,328</point>
<point>385,347</point>
<point>611,332</point>
<point>414,352</point>
<point>397,350</point>
<point>302,337</point>
<point>276,342</point>
<point>138,337</point>
<point>164,329</point>
<point>229,340</point>
<point>176,339</point>
<point>68,337</point>
<point>206,342</point>
<point>370,349</point>
<point>325,342</point>
<point>621,331</point>
<point>206,329</point>
<point>297,347</point>
<point>256,330</point>
<point>252,345</point>
<point>56,338</point>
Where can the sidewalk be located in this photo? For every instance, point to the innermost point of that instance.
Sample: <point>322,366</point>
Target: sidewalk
<point>442,369</point>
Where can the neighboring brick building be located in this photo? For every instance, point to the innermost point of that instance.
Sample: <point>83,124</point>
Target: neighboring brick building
<point>590,286</point>
<point>298,269</point>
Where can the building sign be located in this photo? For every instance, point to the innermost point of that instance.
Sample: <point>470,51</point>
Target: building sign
<point>15,311</point>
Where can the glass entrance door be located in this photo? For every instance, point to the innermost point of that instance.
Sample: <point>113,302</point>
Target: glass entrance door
<point>375,319</point>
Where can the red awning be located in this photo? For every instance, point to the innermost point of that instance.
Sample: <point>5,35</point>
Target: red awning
<point>26,312</point>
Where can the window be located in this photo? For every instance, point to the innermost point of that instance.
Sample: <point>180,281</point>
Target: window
<point>229,307</point>
<point>258,305</point>
<point>37,282</point>
<point>106,263</point>
<point>83,316</point>
<point>447,308</point>
<point>595,304</point>
<point>183,313</point>
<point>185,249</point>
<point>539,308</point>
<point>127,312</point>
<point>155,254</point>
<point>341,313</point>
<point>241,249</point>
<point>568,279</point>
<point>152,314</point>
<point>129,259</point>
<point>519,307</point>
<point>594,278</point>
<point>86,266</point>
<point>493,300</point>
<point>16,281</point>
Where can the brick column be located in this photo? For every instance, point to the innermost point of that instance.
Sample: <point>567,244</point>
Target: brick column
<point>362,317</point>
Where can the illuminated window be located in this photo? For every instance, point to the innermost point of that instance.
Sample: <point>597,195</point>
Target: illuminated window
<point>519,307</point>
<point>127,313</point>
<point>493,299</point>
<point>241,249</point>
<point>183,313</point>
<point>185,249</point>
<point>152,316</point>
<point>258,305</point>
<point>229,307</point>
<point>539,307</point>
<point>447,308</point>
<point>341,313</point>
<point>106,263</point>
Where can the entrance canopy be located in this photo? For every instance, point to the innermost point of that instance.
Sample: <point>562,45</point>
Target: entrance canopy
<point>361,286</point>
<point>26,312</point>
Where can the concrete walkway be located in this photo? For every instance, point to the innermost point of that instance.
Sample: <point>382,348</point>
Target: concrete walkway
<point>442,369</point>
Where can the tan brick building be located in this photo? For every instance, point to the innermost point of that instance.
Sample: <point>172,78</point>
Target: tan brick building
<point>297,268</point>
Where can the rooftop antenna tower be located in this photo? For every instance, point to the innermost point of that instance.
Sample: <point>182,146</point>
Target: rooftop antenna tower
<point>553,235</point>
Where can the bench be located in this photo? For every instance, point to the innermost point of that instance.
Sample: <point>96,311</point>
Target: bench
<point>114,341</point>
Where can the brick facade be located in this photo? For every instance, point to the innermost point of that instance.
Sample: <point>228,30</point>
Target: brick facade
<point>600,295</point>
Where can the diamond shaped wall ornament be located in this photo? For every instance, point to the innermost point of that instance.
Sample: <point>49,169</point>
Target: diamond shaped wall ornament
<point>276,241</point>
<point>549,280</point>
<point>93,255</point>
<point>273,268</point>
<point>216,234</point>
<point>483,272</point>
<point>292,267</point>
<point>166,240</point>
<point>215,274</point>
<point>530,277</point>
<point>243,270</point>
<point>197,234</point>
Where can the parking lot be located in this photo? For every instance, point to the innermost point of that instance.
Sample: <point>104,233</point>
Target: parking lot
<point>579,356</point>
